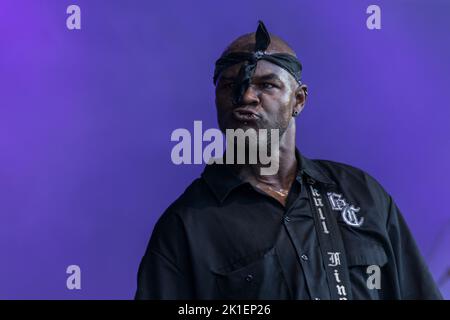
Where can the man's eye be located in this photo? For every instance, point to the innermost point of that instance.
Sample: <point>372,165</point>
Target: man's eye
<point>267,85</point>
<point>228,85</point>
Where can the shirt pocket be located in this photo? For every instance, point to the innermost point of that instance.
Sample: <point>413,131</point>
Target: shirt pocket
<point>366,260</point>
<point>365,253</point>
<point>253,277</point>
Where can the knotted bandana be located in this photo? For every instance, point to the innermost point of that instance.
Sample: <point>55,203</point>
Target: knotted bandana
<point>250,59</point>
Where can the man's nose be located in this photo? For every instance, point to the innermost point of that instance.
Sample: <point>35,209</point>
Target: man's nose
<point>249,97</point>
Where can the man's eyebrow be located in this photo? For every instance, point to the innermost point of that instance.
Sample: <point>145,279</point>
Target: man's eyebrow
<point>264,77</point>
<point>225,78</point>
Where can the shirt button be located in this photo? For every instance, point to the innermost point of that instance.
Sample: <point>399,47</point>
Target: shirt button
<point>287,219</point>
<point>249,278</point>
<point>304,257</point>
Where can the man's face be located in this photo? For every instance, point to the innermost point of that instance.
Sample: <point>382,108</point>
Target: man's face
<point>268,102</point>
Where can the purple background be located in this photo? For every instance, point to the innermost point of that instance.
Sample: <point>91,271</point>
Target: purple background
<point>86,118</point>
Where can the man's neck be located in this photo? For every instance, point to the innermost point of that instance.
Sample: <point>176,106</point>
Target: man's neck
<point>287,167</point>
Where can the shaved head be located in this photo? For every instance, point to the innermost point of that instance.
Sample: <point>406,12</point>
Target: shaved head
<point>246,43</point>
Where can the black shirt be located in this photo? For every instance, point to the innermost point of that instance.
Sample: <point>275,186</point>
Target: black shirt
<point>224,239</point>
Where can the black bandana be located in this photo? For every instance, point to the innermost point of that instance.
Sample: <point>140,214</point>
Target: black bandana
<point>262,37</point>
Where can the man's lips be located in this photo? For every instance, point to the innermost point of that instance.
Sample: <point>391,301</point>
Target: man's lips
<point>245,115</point>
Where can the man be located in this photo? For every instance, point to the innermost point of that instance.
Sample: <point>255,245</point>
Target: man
<point>315,229</point>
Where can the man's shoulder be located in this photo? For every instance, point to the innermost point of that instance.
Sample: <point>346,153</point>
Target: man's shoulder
<point>347,176</point>
<point>196,196</point>
<point>193,199</point>
<point>337,169</point>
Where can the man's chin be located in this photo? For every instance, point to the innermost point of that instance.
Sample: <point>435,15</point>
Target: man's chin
<point>244,125</point>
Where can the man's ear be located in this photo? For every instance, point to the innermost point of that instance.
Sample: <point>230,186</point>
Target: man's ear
<point>300,98</point>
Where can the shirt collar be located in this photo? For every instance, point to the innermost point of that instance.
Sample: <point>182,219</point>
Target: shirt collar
<point>222,180</point>
<point>312,169</point>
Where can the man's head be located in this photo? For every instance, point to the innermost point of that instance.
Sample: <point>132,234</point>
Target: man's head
<point>273,97</point>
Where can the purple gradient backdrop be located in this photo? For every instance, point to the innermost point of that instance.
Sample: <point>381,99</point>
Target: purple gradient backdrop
<point>86,118</point>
